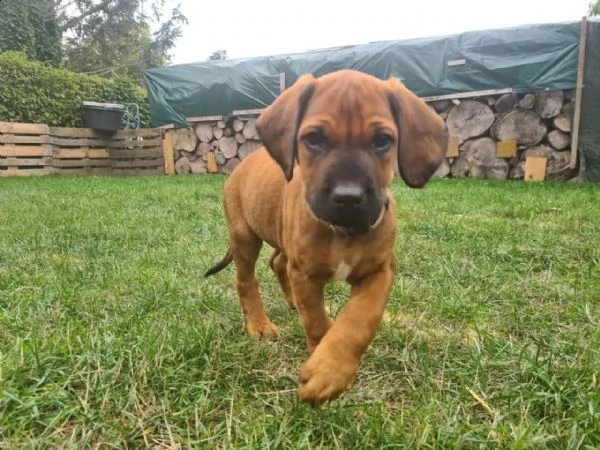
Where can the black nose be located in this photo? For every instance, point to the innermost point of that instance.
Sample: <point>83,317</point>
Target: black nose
<point>347,195</point>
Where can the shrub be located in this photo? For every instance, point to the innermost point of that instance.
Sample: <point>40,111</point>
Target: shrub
<point>34,92</point>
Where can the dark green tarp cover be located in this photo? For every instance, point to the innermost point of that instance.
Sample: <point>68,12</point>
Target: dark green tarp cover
<point>525,58</point>
<point>589,126</point>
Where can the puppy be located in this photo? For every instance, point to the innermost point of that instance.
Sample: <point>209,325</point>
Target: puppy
<point>317,193</point>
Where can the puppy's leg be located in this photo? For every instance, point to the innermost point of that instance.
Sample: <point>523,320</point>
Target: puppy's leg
<point>308,295</point>
<point>278,263</point>
<point>331,367</point>
<point>245,249</point>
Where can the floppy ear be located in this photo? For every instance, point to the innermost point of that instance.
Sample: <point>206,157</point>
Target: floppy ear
<point>423,135</point>
<point>278,124</point>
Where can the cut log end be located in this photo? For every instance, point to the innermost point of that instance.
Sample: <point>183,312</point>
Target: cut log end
<point>228,147</point>
<point>249,130</point>
<point>549,104</point>
<point>558,140</point>
<point>182,165</point>
<point>521,125</point>
<point>469,119</point>
<point>478,159</point>
<point>204,132</point>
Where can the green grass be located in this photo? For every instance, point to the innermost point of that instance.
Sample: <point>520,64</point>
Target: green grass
<point>111,338</point>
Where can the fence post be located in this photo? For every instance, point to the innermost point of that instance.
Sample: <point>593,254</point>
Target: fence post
<point>578,93</point>
<point>168,153</point>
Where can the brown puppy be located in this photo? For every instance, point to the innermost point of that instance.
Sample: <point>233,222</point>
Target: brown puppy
<point>318,194</point>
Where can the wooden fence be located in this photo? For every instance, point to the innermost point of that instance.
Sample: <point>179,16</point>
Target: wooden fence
<point>35,149</point>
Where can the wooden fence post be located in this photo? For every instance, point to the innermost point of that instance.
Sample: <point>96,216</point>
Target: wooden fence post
<point>578,92</point>
<point>168,153</point>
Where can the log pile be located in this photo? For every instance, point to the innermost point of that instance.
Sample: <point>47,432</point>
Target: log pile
<point>215,146</point>
<point>539,123</point>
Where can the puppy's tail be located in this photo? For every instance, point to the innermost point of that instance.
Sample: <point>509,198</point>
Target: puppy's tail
<point>221,264</point>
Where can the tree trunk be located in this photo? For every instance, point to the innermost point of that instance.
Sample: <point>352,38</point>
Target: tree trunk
<point>75,20</point>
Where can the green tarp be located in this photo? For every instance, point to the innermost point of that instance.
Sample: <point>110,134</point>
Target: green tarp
<point>589,126</point>
<point>525,58</point>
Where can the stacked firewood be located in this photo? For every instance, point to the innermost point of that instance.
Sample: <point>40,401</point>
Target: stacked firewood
<point>540,124</point>
<point>216,146</point>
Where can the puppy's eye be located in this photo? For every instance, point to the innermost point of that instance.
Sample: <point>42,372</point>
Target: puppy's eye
<point>382,142</point>
<point>315,141</point>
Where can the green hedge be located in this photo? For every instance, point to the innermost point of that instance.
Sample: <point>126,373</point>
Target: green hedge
<point>34,92</point>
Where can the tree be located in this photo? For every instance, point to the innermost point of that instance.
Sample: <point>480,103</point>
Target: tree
<point>220,55</point>
<point>126,48</point>
<point>31,27</point>
<point>93,36</point>
<point>115,36</point>
<point>594,9</point>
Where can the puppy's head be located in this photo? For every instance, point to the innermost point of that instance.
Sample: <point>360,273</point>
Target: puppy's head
<point>348,131</point>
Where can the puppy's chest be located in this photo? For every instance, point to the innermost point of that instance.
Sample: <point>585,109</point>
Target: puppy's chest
<point>343,259</point>
<point>342,271</point>
<point>340,258</point>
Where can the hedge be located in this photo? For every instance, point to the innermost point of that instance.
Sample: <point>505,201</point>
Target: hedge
<point>34,92</point>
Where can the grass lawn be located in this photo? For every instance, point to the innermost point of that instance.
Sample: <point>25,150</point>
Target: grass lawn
<point>111,338</point>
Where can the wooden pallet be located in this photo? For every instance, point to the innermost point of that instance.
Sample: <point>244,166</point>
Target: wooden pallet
<point>80,151</point>
<point>34,149</point>
<point>25,149</point>
<point>137,152</point>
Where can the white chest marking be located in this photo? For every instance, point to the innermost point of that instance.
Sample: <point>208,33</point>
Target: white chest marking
<point>341,272</point>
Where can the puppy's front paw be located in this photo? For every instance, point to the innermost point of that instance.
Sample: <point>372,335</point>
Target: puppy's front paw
<point>325,376</point>
<point>263,330</point>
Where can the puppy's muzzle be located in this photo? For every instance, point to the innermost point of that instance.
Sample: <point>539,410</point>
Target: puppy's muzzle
<point>348,196</point>
<point>350,205</point>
